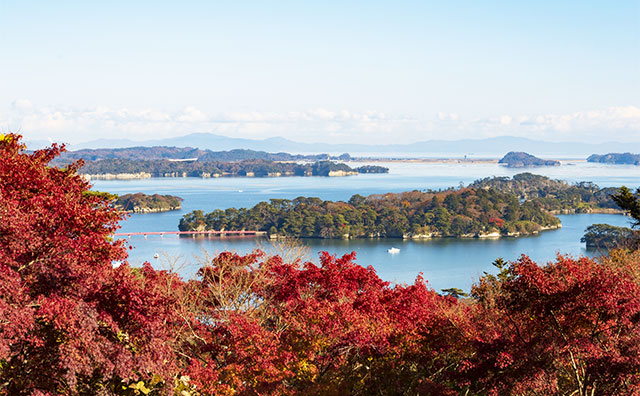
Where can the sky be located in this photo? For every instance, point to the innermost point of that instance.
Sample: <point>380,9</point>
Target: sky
<point>330,71</point>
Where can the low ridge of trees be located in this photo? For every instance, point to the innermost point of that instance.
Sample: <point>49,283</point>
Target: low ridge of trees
<point>257,168</point>
<point>72,323</point>
<point>466,212</point>
<point>554,195</point>
<point>144,203</point>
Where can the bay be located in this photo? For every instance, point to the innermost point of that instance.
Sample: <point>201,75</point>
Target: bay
<point>446,262</point>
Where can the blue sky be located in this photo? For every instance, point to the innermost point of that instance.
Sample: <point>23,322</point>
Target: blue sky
<point>320,71</point>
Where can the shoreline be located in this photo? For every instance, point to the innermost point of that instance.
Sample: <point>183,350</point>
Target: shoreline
<point>480,160</point>
<point>491,235</point>
<point>150,210</point>
<point>144,175</point>
<point>589,211</point>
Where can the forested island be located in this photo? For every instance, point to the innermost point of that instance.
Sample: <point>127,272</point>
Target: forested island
<point>519,159</point>
<point>556,196</point>
<point>495,206</point>
<point>616,158</point>
<point>143,203</point>
<point>126,168</point>
<point>466,212</point>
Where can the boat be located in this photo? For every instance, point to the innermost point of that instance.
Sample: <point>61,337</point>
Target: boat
<point>393,250</point>
<point>155,256</point>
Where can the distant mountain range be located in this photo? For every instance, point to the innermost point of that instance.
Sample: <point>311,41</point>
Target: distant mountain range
<point>490,147</point>
<point>144,153</point>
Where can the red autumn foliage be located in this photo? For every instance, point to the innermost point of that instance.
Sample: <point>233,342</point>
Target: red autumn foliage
<point>498,222</point>
<point>72,324</point>
<point>572,325</point>
<point>69,322</point>
<point>336,328</point>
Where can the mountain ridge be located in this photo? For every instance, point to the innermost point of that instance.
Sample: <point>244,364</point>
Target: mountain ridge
<point>493,147</point>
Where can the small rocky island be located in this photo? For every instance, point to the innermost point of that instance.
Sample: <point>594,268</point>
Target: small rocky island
<point>143,203</point>
<point>519,159</point>
<point>616,158</point>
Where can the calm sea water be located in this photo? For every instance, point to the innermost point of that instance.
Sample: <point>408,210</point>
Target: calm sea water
<point>443,262</point>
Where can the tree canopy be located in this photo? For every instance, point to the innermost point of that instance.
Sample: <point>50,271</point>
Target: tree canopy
<point>468,212</point>
<point>630,202</point>
<point>70,323</point>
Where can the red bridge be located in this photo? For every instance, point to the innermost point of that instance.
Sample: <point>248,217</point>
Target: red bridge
<point>178,233</point>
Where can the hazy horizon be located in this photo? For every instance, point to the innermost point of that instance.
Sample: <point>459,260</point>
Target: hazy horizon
<point>91,142</point>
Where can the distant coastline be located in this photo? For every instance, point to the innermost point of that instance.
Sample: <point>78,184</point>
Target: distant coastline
<point>128,169</point>
<point>146,175</point>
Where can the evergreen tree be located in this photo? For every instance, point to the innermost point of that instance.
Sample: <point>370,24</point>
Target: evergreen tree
<point>630,202</point>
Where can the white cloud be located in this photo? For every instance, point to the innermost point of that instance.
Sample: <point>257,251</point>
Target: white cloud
<point>191,115</point>
<point>447,116</point>
<point>78,125</point>
<point>506,120</point>
<point>21,104</point>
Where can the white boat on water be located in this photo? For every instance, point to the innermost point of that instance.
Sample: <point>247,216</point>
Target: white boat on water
<point>393,250</point>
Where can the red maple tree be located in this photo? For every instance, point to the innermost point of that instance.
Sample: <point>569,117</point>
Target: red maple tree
<point>570,327</point>
<point>70,323</point>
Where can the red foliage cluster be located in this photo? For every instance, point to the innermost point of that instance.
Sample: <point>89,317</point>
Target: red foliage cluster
<point>69,322</point>
<point>72,324</point>
<point>336,328</point>
<point>572,325</point>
